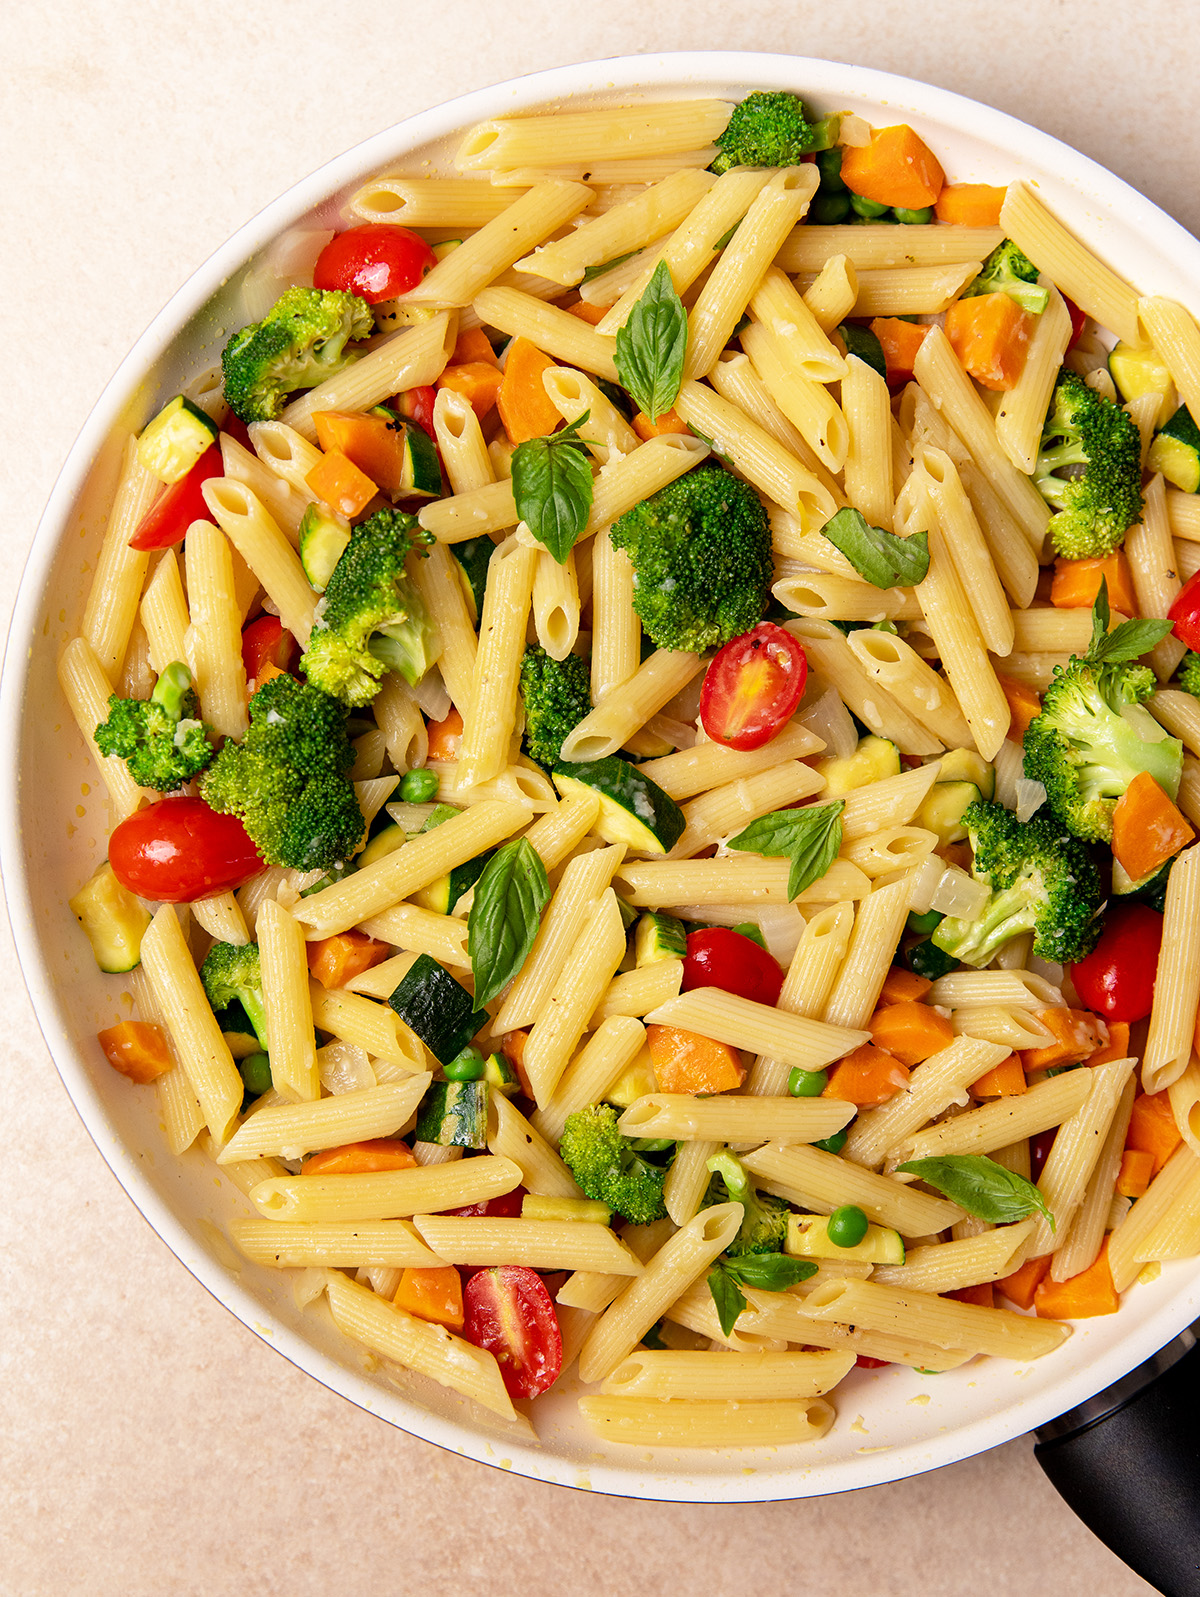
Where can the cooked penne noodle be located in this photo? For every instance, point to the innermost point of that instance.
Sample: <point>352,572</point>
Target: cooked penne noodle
<point>1177,983</point>
<point>690,771</point>
<point>1081,1244</point>
<point>728,1118</point>
<point>513,1137</point>
<point>900,1311</point>
<point>684,1422</point>
<point>421,931</point>
<point>216,630</point>
<point>830,654</point>
<point>385,1194</point>
<point>556,332</point>
<point>935,1084</point>
<point>611,1048</point>
<point>733,879</point>
<point>742,1378</point>
<point>537,1244</point>
<point>901,673</point>
<point>585,974</point>
<point>877,245</point>
<point>116,588</point>
<point>555,604</point>
<point>1069,264</point>
<point>728,1018</point>
<point>1077,1146</point>
<point>289,1131</point>
<point>1022,412</point>
<point>587,136</point>
<point>963,539</point>
<point>1151,555</point>
<point>806,987</point>
<point>244,519</point>
<point>1175,1187</point>
<point>408,359</point>
<point>998,1124</point>
<point>808,405</point>
<point>877,928</point>
<point>687,1180</point>
<point>969,1261</point>
<point>164,614</point>
<point>419,201</point>
<point>334,1245</point>
<point>820,1182</point>
<point>626,482</point>
<point>725,810</point>
<point>368,1025</point>
<point>637,992</point>
<point>87,690</point>
<point>626,708</point>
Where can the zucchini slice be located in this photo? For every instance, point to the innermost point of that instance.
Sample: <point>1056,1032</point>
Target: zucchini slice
<point>439,1010</point>
<point>808,1238</point>
<point>633,809</point>
<point>114,919</point>
<point>872,760</point>
<point>473,555</point>
<point>420,469</point>
<point>1176,452</point>
<point>1137,372</point>
<point>943,810</point>
<point>964,765</point>
<point>454,1114</point>
<point>174,441</point>
<point>324,537</point>
<point>659,937</point>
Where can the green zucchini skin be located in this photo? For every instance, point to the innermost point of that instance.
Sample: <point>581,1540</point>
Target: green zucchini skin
<point>633,809</point>
<point>454,1114</point>
<point>437,1008</point>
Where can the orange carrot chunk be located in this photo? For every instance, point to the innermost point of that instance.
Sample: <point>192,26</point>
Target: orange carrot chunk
<point>1023,705</point>
<point>983,1295</point>
<point>434,1295</point>
<point>1148,829</point>
<point>903,986</point>
<point>900,341</point>
<point>591,314</point>
<point>990,334</point>
<point>1077,1035</point>
<point>896,168</point>
<point>910,1031</point>
<point>471,346</point>
<point>1020,1286</point>
<point>525,407</point>
<point>360,1158</point>
<point>340,483</point>
<point>336,960</point>
<point>1117,1046</point>
<point>477,381</point>
<point>1136,1172</point>
<point>514,1052</point>
<point>685,1061</point>
<point>668,422</point>
<point>1152,1127</point>
<point>970,204</point>
<point>136,1049</point>
<point>1083,1296</point>
<point>445,737</point>
<point>867,1076</point>
<point>1077,583</point>
<point>1005,1080</point>
<point>372,443</point>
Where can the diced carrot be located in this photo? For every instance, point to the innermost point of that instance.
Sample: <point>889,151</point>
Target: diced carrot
<point>434,1295</point>
<point>1152,1127</point>
<point>902,986</point>
<point>514,1052</point>
<point>360,1158</point>
<point>899,341</point>
<point>1136,1172</point>
<point>990,334</point>
<point>982,1294</point>
<point>970,204</point>
<point>266,673</point>
<point>1005,1080</point>
<point>1077,1035</point>
<point>525,407</point>
<point>1117,1046</point>
<point>339,482</point>
<point>372,443</point>
<point>896,168</point>
<point>910,1031</point>
<point>1083,1296</point>
<point>477,381</point>
<point>445,737</point>
<point>136,1049</point>
<point>1023,704</point>
<point>336,960</point>
<point>1020,1286</point>
<point>685,1061</point>
<point>668,422</point>
<point>867,1076</point>
<point>1077,582</point>
<point>1148,829</point>
<point>591,314</point>
<point>473,345</point>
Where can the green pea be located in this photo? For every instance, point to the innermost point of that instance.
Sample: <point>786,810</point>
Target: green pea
<point>914,218</point>
<point>829,164</point>
<point>748,928</point>
<point>256,1073</point>
<point>467,1066</point>
<point>833,1144</point>
<point>847,1226</point>
<point>871,210</point>
<point>807,1083</point>
<point>829,207</point>
<point>418,787</point>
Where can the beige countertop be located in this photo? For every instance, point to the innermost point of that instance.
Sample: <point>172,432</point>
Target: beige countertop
<point>150,1444</point>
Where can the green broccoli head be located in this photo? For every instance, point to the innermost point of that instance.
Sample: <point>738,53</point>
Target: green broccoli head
<point>701,553</point>
<point>299,343</point>
<point>1041,881</point>
<point>556,695</point>
<point>1099,444</point>
<point>1008,270</point>
<point>1189,673</point>
<point>768,128</point>
<point>371,618</point>
<point>607,1167</point>
<point>1092,738</point>
<point>232,971</point>
<point>286,780</point>
<point>765,1222</point>
<point>159,738</point>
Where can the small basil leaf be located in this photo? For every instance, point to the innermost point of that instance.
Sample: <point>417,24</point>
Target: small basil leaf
<point>505,915</point>
<point>552,487</point>
<point>879,557</point>
<point>1101,615</point>
<point>652,344</point>
<point>770,1272</point>
<point>728,1297</point>
<point>981,1187</point>
<point>594,272</point>
<point>810,838</point>
<point>1129,641</point>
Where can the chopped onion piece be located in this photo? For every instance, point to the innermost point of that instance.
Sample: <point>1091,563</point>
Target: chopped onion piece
<point>829,719</point>
<point>344,1067</point>
<point>1030,798</point>
<point>926,879</point>
<point>431,696</point>
<point>959,894</point>
<point>1009,765</point>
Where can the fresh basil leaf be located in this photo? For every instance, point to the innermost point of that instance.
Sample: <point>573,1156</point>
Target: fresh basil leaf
<point>879,557</point>
<point>1129,641</point>
<point>981,1187</point>
<point>505,915</point>
<point>810,838</point>
<point>1101,615</point>
<point>705,439</point>
<point>728,1297</point>
<point>652,344</point>
<point>770,1272</point>
<point>552,487</point>
<point>725,238</point>
<point>594,272</point>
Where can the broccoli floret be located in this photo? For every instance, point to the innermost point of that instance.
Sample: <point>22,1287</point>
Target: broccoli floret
<point>767,129</point>
<point>286,780</point>
<point>1092,738</point>
<point>299,343</point>
<point>372,619</point>
<point>608,1168</point>
<point>701,553</point>
<point>159,738</point>
<point>556,696</point>
<point>1189,673</point>
<point>1041,881</point>
<point>1008,270</point>
<point>1096,505</point>
<point>765,1222</point>
<point>232,971</point>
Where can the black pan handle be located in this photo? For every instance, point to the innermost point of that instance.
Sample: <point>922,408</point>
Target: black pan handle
<point>1128,1463</point>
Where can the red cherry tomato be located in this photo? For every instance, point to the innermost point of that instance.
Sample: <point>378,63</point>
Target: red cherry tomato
<point>1039,1151</point>
<point>752,686</point>
<point>508,1311</point>
<point>416,404</point>
<point>866,1362</point>
<point>267,642</point>
<point>1078,318</point>
<point>719,957</point>
<point>376,261</point>
<point>1116,980</point>
<point>178,849</point>
<point>173,512</point>
<point>1185,612</point>
<point>506,1207</point>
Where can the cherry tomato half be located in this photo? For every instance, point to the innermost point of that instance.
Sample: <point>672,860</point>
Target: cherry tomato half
<point>1185,612</point>
<point>1078,318</point>
<point>172,513</point>
<point>267,642</point>
<point>376,261</point>
<point>178,849</point>
<point>719,957</point>
<point>417,405</point>
<point>508,1311</point>
<point>1117,978</point>
<point>506,1207</point>
<point>752,686</point>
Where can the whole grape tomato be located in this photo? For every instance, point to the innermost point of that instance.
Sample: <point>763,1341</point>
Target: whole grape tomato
<point>719,957</point>
<point>1185,612</point>
<point>177,850</point>
<point>752,686</point>
<point>376,261</point>
<point>1116,979</point>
